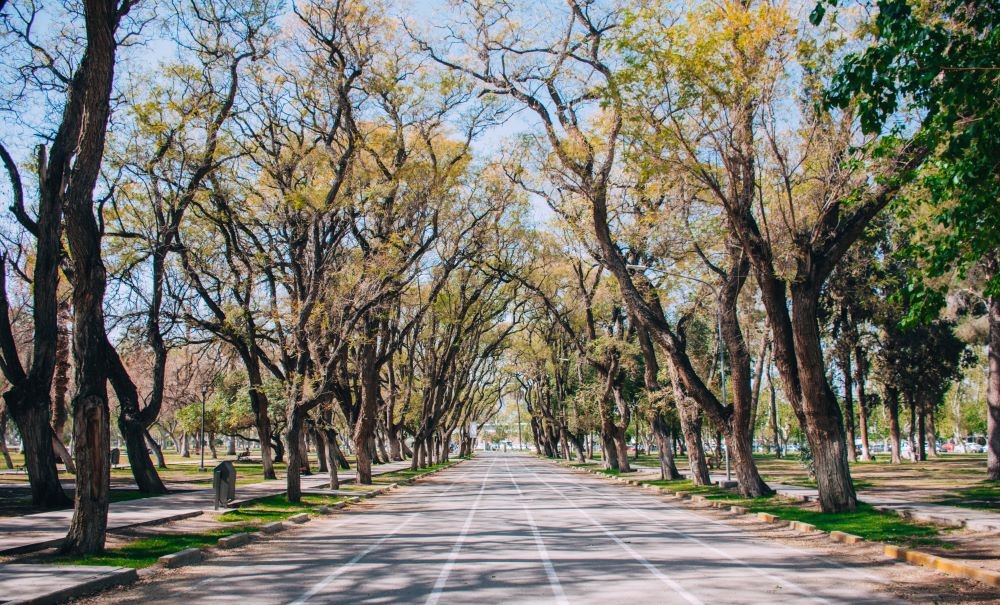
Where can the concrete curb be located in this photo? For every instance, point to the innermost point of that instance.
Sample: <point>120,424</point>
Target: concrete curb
<point>272,528</point>
<point>235,540</point>
<point>299,518</point>
<point>905,555</point>
<point>120,576</point>
<point>188,556</point>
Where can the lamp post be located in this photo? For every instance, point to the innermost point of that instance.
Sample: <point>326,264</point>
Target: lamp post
<point>718,323</point>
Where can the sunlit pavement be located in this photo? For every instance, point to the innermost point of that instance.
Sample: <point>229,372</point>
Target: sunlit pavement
<point>507,528</point>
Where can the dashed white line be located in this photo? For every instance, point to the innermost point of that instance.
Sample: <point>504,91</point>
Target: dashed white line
<point>799,589</point>
<point>680,590</point>
<point>354,560</point>
<point>442,579</point>
<point>543,553</point>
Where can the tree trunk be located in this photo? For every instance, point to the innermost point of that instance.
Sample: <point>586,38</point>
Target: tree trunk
<point>185,445</point>
<point>63,454</point>
<point>931,431</point>
<point>330,436</point>
<point>691,428</point>
<point>911,404</point>
<point>860,377</point>
<point>380,443</point>
<point>293,435</point>
<point>993,394</point>
<point>321,454</point>
<point>665,447</point>
<point>143,470</point>
<point>231,447</point>
<point>775,434</point>
<point>892,405</point>
<point>845,368</point>
<point>820,414</point>
<point>921,434</point>
<point>364,427</point>
<point>259,405</point>
<point>32,422</point>
<point>157,451</point>
<point>395,443</point>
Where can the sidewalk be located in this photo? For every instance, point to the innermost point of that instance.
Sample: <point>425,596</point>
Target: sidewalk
<point>927,512</point>
<point>44,530</point>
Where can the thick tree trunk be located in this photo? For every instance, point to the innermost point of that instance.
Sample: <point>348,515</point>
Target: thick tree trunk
<point>395,443</point>
<point>186,445</point>
<point>609,448</point>
<point>259,405</point>
<point>364,427</point>
<point>32,422</point>
<point>993,394</point>
<point>911,405</point>
<point>665,447</point>
<point>820,413</point>
<point>231,447</point>
<point>691,428</point>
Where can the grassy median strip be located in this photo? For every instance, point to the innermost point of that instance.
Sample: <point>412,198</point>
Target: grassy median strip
<point>276,508</point>
<point>146,551</point>
<point>870,524</point>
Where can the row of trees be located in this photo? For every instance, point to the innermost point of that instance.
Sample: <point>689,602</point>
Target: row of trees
<point>289,195</point>
<point>735,145</point>
<point>297,191</point>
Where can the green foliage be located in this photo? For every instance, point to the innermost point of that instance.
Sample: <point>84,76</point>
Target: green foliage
<point>939,62</point>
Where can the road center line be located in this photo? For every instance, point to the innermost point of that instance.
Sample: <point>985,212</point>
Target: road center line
<point>680,590</point>
<point>442,579</point>
<point>543,553</point>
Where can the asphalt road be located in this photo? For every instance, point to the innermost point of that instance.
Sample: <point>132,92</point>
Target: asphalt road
<point>505,528</point>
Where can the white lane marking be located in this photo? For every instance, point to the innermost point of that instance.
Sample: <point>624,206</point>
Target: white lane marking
<point>687,596</point>
<point>798,588</point>
<point>543,553</point>
<point>354,560</point>
<point>442,579</point>
<point>357,558</point>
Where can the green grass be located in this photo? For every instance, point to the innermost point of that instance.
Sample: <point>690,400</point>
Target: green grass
<point>145,551</point>
<point>985,495</point>
<point>275,508</point>
<point>866,522</point>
